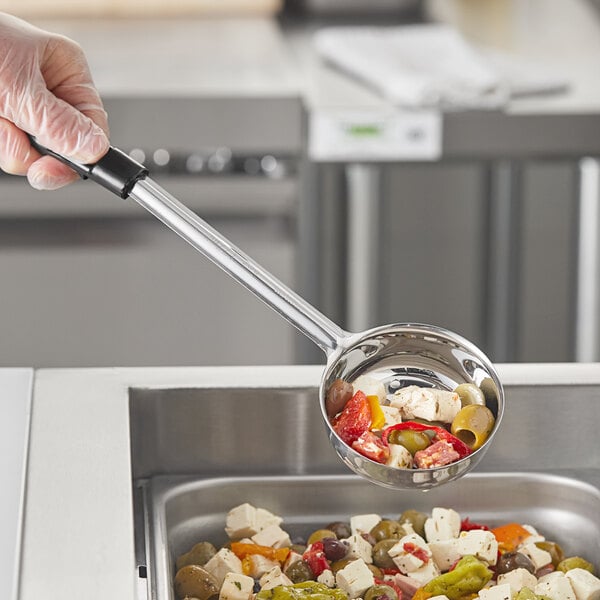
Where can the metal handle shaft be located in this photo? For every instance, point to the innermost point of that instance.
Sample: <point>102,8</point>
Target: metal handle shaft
<point>123,176</point>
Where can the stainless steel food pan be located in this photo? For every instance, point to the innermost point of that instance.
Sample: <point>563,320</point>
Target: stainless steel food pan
<point>183,510</point>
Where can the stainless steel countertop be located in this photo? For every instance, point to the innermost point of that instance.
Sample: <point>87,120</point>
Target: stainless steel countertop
<point>15,409</point>
<point>78,519</point>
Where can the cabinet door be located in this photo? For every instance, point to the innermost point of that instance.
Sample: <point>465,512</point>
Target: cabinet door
<point>433,253</point>
<point>119,290</point>
<point>547,277</point>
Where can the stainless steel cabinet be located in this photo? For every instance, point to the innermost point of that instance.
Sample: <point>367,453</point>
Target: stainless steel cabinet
<point>460,243</point>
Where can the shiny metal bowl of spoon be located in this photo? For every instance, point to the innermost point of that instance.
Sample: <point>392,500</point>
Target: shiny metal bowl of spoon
<point>398,355</point>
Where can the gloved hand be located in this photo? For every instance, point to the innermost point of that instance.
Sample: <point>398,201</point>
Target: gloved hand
<point>46,90</point>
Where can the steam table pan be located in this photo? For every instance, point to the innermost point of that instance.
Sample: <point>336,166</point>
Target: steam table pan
<point>182,511</point>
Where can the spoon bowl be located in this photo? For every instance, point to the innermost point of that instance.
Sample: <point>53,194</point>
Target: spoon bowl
<point>411,354</point>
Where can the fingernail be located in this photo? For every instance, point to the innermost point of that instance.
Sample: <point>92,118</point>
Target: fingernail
<point>40,180</point>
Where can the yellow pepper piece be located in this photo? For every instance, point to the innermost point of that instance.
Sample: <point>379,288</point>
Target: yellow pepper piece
<point>421,594</point>
<point>243,550</point>
<point>377,416</point>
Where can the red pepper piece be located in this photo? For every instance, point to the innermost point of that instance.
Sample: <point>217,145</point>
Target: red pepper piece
<point>314,557</point>
<point>369,445</point>
<point>467,525</point>
<point>440,435</point>
<point>388,571</point>
<point>354,420</point>
<point>416,551</point>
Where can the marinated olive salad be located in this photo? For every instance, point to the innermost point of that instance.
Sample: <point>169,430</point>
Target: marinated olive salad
<point>419,556</point>
<point>415,427</point>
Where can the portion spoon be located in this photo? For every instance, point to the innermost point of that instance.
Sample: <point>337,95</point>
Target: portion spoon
<point>398,355</point>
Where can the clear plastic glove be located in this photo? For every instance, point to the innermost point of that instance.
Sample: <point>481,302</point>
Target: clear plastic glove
<point>46,90</point>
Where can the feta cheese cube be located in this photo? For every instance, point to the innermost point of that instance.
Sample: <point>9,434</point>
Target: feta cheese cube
<point>585,585</point>
<point>291,559</point>
<point>444,524</point>
<point>497,592</point>
<point>370,387</point>
<point>425,573</point>
<point>241,521</point>
<point>445,553</point>
<point>272,536</point>
<point>259,565</point>
<point>439,597</point>
<point>327,578</point>
<point>407,561</point>
<point>223,562</point>
<point>392,415</point>
<point>236,587</point>
<point>518,579</point>
<point>363,523</point>
<point>400,457</point>
<point>264,518</point>
<point>540,558</point>
<point>479,543</point>
<point>555,585</point>
<point>273,578</point>
<point>534,536</point>
<point>355,578</point>
<point>426,403</point>
<point>358,547</point>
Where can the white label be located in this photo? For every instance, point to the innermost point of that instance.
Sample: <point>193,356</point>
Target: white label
<point>373,135</point>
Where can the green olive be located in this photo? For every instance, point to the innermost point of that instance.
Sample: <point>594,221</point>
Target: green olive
<point>200,554</point>
<point>341,529</point>
<point>574,562</point>
<point>196,582</point>
<point>320,534</point>
<point>469,394</point>
<point>298,548</point>
<point>338,565</point>
<point>380,592</point>
<point>473,425</point>
<point>299,571</point>
<point>416,519</point>
<point>381,558</point>
<point>555,551</point>
<point>387,529</point>
<point>413,441</point>
<point>377,572</point>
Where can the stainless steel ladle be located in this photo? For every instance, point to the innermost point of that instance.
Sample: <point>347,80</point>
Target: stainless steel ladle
<point>398,355</point>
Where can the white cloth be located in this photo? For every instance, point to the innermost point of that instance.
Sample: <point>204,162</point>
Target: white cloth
<point>417,66</point>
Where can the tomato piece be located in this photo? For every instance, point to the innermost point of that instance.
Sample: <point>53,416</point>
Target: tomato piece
<point>354,420</point>
<point>369,445</point>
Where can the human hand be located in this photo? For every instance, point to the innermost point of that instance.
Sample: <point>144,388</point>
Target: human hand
<point>46,90</point>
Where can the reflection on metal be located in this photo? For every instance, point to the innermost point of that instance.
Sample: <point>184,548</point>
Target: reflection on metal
<point>503,260</point>
<point>588,264</point>
<point>363,183</point>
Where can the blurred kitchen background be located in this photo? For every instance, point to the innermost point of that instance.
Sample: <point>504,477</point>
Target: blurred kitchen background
<point>391,160</point>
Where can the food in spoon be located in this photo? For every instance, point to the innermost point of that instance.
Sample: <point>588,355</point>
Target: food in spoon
<point>414,427</point>
<point>416,556</point>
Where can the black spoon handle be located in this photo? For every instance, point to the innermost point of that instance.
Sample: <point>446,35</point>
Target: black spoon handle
<point>116,171</point>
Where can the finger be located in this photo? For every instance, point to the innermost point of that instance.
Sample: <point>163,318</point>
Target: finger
<point>66,130</point>
<point>16,153</point>
<point>47,173</point>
